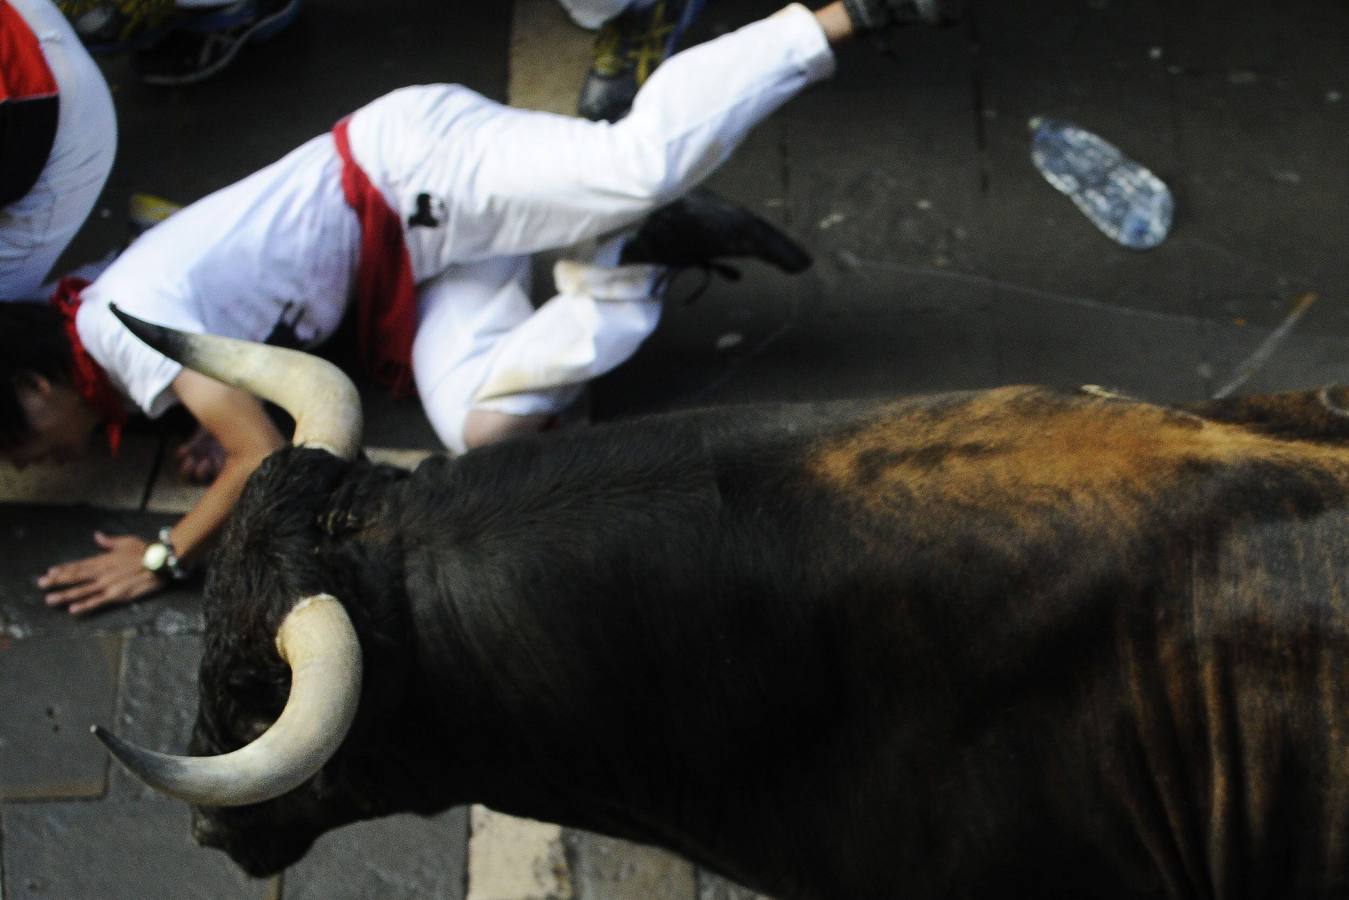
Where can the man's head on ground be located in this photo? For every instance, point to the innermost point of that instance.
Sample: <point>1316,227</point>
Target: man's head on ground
<point>41,414</point>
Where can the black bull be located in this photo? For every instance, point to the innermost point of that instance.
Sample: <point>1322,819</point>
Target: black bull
<point>1009,643</point>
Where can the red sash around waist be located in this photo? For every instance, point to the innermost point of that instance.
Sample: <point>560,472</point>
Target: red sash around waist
<point>385,295</point>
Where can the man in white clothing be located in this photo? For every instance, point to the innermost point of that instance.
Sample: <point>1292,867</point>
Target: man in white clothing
<point>417,216</point>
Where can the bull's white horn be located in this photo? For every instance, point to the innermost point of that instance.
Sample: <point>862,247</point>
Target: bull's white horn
<point>319,643</point>
<point>322,400</point>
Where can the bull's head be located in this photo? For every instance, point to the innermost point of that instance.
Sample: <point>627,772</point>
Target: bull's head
<point>315,637</point>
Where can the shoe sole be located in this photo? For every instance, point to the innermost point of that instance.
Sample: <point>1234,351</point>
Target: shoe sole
<point>263,30</point>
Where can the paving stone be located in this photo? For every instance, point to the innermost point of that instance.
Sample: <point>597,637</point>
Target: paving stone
<point>405,856</point>
<point>549,56</point>
<point>1296,37</point>
<point>170,494</point>
<point>515,859</point>
<point>844,330</point>
<point>157,703</point>
<point>39,536</point>
<point>114,851</point>
<point>99,480</point>
<point>604,868</point>
<point>1067,342</point>
<point>1309,357</point>
<point>52,690</point>
<point>1273,156</point>
<point>883,160</point>
<point>1090,64</point>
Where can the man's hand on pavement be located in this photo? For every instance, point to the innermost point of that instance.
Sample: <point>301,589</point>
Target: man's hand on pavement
<point>113,576</point>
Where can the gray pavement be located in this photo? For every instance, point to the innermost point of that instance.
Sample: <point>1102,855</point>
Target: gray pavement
<point>942,261</point>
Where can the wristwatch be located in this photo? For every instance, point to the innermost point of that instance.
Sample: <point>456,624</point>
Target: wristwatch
<point>161,559</point>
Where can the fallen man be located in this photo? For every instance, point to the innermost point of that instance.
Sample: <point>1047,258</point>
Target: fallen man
<point>422,208</point>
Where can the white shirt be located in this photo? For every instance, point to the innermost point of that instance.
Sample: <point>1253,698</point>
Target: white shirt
<point>279,246</point>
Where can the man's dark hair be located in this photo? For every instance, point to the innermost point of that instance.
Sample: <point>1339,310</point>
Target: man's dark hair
<point>32,342</point>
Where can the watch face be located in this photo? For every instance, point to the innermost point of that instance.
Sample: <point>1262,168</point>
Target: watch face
<point>156,555</point>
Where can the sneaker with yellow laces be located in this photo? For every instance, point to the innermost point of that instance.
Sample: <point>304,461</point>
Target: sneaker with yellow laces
<point>627,50</point>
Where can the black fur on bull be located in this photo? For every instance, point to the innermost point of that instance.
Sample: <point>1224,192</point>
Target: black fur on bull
<point>1007,643</point>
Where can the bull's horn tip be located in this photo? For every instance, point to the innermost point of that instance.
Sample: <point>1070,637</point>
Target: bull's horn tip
<point>109,740</point>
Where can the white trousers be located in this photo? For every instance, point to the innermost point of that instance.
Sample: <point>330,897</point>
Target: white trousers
<point>506,183</point>
<point>36,228</point>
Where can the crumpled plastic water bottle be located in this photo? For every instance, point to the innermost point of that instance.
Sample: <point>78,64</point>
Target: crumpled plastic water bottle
<point>1122,198</point>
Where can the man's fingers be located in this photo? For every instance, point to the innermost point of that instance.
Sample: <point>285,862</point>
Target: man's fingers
<point>67,573</point>
<point>122,592</point>
<point>79,592</point>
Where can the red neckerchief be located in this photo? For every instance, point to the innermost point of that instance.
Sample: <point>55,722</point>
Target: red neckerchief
<point>91,382</point>
<point>386,298</point>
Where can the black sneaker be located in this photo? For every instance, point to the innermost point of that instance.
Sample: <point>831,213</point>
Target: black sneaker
<point>202,44</point>
<point>627,50</point>
<point>700,228</point>
<point>869,15</point>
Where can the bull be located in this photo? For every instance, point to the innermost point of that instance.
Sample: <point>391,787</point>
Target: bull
<point>1016,642</point>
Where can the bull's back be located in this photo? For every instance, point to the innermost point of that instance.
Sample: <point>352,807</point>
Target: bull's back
<point>1133,631</point>
<point>1058,643</point>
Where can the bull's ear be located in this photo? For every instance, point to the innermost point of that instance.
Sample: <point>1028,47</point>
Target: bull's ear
<point>319,643</point>
<point>323,401</point>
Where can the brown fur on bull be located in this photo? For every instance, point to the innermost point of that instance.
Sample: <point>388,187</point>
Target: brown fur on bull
<point>1016,642</point>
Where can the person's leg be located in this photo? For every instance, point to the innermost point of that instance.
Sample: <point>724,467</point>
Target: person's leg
<point>37,228</point>
<point>488,365</point>
<point>462,315</point>
<point>517,181</point>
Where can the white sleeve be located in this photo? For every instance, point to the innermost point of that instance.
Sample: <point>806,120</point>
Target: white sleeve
<point>136,371</point>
